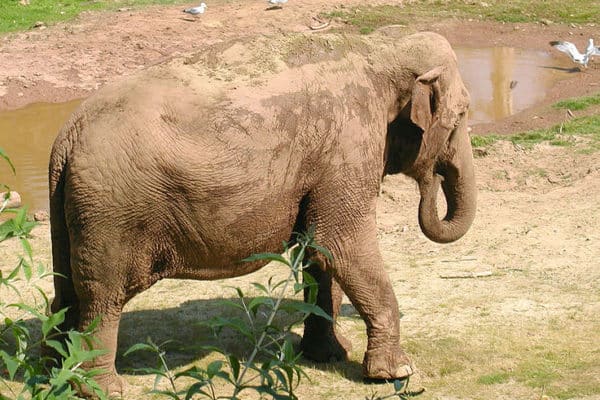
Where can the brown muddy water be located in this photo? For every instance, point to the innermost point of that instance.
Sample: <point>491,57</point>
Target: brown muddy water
<point>502,81</point>
<point>26,135</point>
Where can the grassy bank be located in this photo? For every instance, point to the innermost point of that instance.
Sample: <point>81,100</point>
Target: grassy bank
<point>583,131</point>
<point>15,16</point>
<point>367,19</point>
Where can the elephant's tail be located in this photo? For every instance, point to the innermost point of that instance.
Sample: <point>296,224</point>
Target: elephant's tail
<point>64,291</point>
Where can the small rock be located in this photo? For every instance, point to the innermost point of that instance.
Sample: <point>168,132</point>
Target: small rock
<point>41,216</point>
<point>484,4</point>
<point>24,2</point>
<point>480,152</point>
<point>553,180</point>
<point>14,200</point>
<point>404,229</point>
<point>39,24</point>
<point>545,21</point>
<point>123,9</point>
<point>20,94</point>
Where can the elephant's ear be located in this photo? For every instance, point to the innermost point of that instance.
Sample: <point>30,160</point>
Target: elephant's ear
<point>425,98</point>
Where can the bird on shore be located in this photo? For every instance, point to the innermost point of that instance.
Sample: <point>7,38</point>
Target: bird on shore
<point>276,3</point>
<point>571,50</point>
<point>196,10</point>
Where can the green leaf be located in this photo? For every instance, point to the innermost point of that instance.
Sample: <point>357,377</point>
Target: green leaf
<point>398,385</point>
<point>267,257</point>
<point>41,270</point>
<point>20,217</point>
<point>258,301</point>
<point>238,291</point>
<point>52,321</point>
<point>322,250</point>
<point>58,346</point>
<point>213,368</point>
<point>12,364</point>
<point>27,272</point>
<point>141,347</point>
<point>234,363</point>
<point>232,304</point>
<point>91,328</point>
<point>7,230</point>
<point>29,309</point>
<point>44,296</point>
<point>305,308</point>
<point>288,350</point>
<point>260,287</point>
<point>235,324</point>
<point>298,287</point>
<point>281,378</point>
<point>312,285</point>
<point>27,247</point>
<point>7,159</point>
<point>13,274</point>
<point>196,388</point>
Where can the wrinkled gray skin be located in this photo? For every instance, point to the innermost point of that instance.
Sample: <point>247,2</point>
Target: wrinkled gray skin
<point>179,172</point>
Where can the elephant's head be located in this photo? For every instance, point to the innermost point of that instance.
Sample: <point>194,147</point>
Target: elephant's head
<point>428,141</point>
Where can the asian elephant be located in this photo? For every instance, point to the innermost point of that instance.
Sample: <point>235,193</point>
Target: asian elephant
<point>186,168</point>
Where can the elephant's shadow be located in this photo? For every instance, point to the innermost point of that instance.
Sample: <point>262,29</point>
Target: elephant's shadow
<point>181,333</point>
<point>185,336</point>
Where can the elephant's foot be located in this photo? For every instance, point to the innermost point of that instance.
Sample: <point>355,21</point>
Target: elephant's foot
<point>325,348</point>
<point>111,384</point>
<point>385,363</point>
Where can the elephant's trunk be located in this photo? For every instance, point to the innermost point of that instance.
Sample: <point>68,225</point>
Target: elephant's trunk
<point>459,189</point>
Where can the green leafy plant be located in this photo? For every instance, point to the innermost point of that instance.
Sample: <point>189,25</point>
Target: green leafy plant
<point>19,345</point>
<point>272,368</point>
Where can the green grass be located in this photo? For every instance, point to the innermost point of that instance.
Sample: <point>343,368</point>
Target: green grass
<point>494,378</point>
<point>558,135</point>
<point>367,19</point>
<point>579,103</point>
<point>17,17</point>
<point>563,363</point>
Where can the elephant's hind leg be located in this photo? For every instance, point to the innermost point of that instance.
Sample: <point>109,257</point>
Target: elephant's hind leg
<point>100,278</point>
<point>320,342</point>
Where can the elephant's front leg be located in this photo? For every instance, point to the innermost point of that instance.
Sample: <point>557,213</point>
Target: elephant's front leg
<point>358,268</point>
<point>368,287</point>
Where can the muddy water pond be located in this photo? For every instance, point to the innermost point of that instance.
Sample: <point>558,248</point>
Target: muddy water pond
<point>501,80</point>
<point>26,135</point>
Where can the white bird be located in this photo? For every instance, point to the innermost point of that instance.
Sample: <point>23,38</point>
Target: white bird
<point>276,3</point>
<point>571,50</point>
<point>196,10</point>
<point>593,50</point>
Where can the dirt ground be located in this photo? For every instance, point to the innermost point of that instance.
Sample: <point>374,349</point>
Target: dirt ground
<point>534,240</point>
<point>71,60</point>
